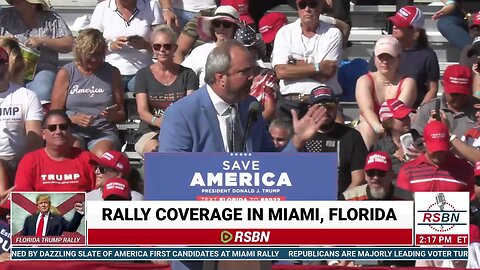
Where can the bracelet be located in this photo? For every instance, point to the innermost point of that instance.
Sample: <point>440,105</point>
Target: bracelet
<point>317,67</point>
<point>109,45</point>
<point>167,9</point>
<point>453,137</point>
<point>450,2</point>
<point>154,118</point>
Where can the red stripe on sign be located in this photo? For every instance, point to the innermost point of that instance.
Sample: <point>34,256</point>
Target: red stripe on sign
<point>250,236</point>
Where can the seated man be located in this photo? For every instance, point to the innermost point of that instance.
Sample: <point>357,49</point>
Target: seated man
<point>111,166</point>
<point>58,166</point>
<point>20,121</point>
<point>305,55</point>
<point>335,137</point>
<point>456,102</point>
<point>379,186</point>
<point>281,130</point>
<point>438,169</point>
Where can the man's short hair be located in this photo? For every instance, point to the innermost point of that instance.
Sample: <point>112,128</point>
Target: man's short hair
<point>218,61</point>
<point>60,113</point>
<point>282,123</point>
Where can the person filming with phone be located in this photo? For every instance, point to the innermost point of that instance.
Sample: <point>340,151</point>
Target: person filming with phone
<point>395,119</point>
<point>457,102</point>
<point>90,91</point>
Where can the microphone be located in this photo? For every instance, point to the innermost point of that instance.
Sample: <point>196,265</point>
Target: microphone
<point>440,197</point>
<point>253,111</point>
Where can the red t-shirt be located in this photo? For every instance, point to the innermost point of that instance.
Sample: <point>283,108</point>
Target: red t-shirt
<point>38,172</point>
<point>420,175</point>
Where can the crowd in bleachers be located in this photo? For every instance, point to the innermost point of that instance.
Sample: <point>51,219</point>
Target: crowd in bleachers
<point>59,124</point>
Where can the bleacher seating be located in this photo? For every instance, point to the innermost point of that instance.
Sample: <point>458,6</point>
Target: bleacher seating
<point>369,24</point>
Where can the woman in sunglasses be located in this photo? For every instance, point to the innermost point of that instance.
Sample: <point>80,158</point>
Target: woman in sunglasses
<point>219,28</point>
<point>374,88</point>
<point>90,91</point>
<point>159,85</point>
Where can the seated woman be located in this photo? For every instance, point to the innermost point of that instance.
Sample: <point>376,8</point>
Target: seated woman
<point>16,65</point>
<point>90,90</point>
<point>37,28</point>
<point>395,119</point>
<point>374,88</point>
<point>219,28</point>
<point>158,86</point>
<point>126,25</point>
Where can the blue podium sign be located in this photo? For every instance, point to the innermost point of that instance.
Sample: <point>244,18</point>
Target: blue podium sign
<point>241,176</point>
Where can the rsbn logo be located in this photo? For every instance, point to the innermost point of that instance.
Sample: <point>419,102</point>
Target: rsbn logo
<point>441,215</point>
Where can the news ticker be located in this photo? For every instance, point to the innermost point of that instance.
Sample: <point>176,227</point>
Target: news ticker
<point>239,253</point>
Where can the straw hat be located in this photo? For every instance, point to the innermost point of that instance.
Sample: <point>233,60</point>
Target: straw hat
<point>45,3</point>
<point>223,13</point>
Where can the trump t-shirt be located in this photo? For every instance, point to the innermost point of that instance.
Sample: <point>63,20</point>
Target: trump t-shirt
<point>38,172</point>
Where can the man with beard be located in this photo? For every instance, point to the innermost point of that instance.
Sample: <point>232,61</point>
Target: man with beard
<point>212,119</point>
<point>378,173</point>
<point>58,166</point>
<point>335,137</point>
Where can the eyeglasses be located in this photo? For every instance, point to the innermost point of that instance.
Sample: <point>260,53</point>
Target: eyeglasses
<point>224,23</point>
<point>158,46</point>
<point>53,128</point>
<point>305,4</point>
<point>330,105</point>
<point>104,170</point>
<point>372,173</point>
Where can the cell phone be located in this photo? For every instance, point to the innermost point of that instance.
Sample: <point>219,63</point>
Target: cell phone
<point>407,142</point>
<point>134,37</point>
<point>437,111</point>
<point>111,108</point>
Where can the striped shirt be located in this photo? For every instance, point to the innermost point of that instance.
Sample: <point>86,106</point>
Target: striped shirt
<point>421,175</point>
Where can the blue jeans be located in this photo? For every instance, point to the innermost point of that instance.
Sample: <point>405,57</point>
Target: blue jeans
<point>42,84</point>
<point>455,29</point>
<point>184,16</point>
<point>128,82</point>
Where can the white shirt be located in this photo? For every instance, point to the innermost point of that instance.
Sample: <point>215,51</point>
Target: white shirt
<point>106,19</point>
<point>44,223</point>
<point>17,105</point>
<point>222,114</point>
<point>193,5</point>
<point>325,45</point>
<point>197,60</point>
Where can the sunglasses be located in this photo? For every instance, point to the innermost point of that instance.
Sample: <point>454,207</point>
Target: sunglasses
<point>328,105</point>
<point>372,173</point>
<point>225,24</point>
<point>104,170</point>
<point>477,180</point>
<point>3,62</point>
<point>53,128</point>
<point>158,46</point>
<point>305,4</point>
